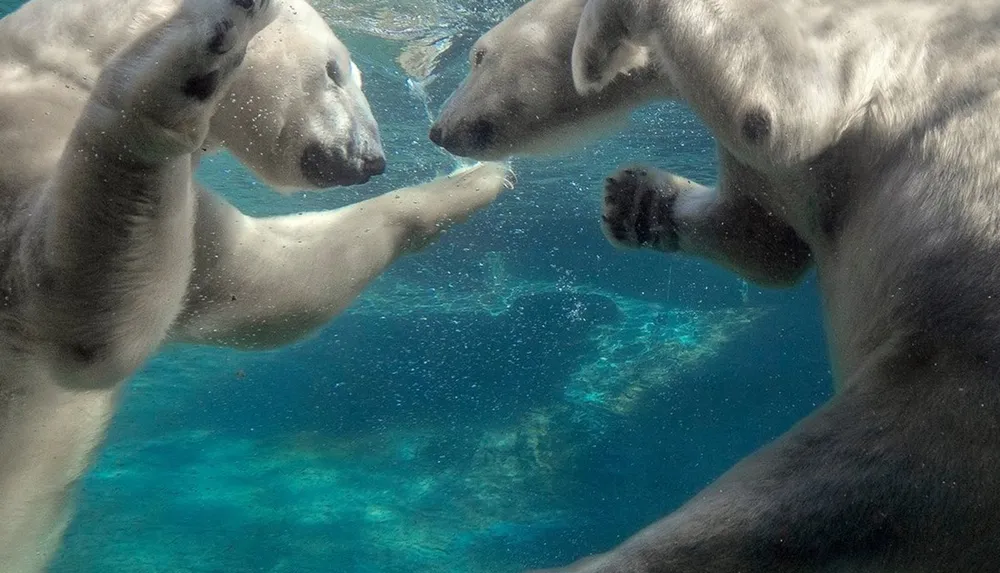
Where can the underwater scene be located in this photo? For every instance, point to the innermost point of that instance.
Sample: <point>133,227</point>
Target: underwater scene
<point>518,395</point>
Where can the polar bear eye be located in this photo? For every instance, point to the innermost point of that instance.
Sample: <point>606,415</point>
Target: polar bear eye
<point>477,58</point>
<point>334,73</point>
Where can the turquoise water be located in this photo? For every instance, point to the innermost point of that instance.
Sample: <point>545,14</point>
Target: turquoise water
<point>519,395</point>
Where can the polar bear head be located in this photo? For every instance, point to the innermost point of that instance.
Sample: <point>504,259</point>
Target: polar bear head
<point>295,113</point>
<point>519,97</point>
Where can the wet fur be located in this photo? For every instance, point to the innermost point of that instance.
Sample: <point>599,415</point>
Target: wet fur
<point>109,250</point>
<point>858,138</point>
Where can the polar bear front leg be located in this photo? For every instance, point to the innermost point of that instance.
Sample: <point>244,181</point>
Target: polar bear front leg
<point>649,208</point>
<point>267,282</point>
<point>109,243</point>
<point>103,261</point>
<point>869,483</point>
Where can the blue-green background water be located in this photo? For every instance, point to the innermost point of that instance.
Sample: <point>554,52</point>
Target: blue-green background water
<point>518,395</point>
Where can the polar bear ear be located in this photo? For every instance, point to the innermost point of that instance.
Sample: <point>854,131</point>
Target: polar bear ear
<point>605,44</point>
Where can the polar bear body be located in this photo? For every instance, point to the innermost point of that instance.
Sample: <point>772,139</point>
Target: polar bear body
<point>108,249</point>
<point>857,137</point>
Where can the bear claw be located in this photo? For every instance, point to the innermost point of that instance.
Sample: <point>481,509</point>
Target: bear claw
<point>223,40</point>
<point>638,213</point>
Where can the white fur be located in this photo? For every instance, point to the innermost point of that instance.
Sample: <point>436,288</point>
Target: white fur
<point>859,136</point>
<point>521,87</point>
<point>108,249</point>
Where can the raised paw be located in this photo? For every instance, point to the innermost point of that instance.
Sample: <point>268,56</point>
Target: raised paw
<point>166,84</point>
<point>638,210</point>
<point>227,27</point>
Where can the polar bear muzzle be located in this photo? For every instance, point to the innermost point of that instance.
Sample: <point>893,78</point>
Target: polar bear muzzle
<point>331,167</point>
<point>467,137</point>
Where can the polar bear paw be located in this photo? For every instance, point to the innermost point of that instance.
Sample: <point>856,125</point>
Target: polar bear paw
<point>166,85</point>
<point>639,210</point>
<point>227,26</point>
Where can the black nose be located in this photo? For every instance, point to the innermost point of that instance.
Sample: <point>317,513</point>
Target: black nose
<point>325,167</point>
<point>375,165</point>
<point>435,135</point>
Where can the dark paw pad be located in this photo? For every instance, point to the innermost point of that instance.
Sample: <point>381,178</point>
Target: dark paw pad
<point>592,70</point>
<point>223,39</point>
<point>87,353</point>
<point>637,213</point>
<point>202,87</point>
<point>252,6</point>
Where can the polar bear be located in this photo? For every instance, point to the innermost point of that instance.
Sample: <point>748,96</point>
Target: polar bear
<point>108,249</point>
<point>501,109</point>
<point>855,137</point>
